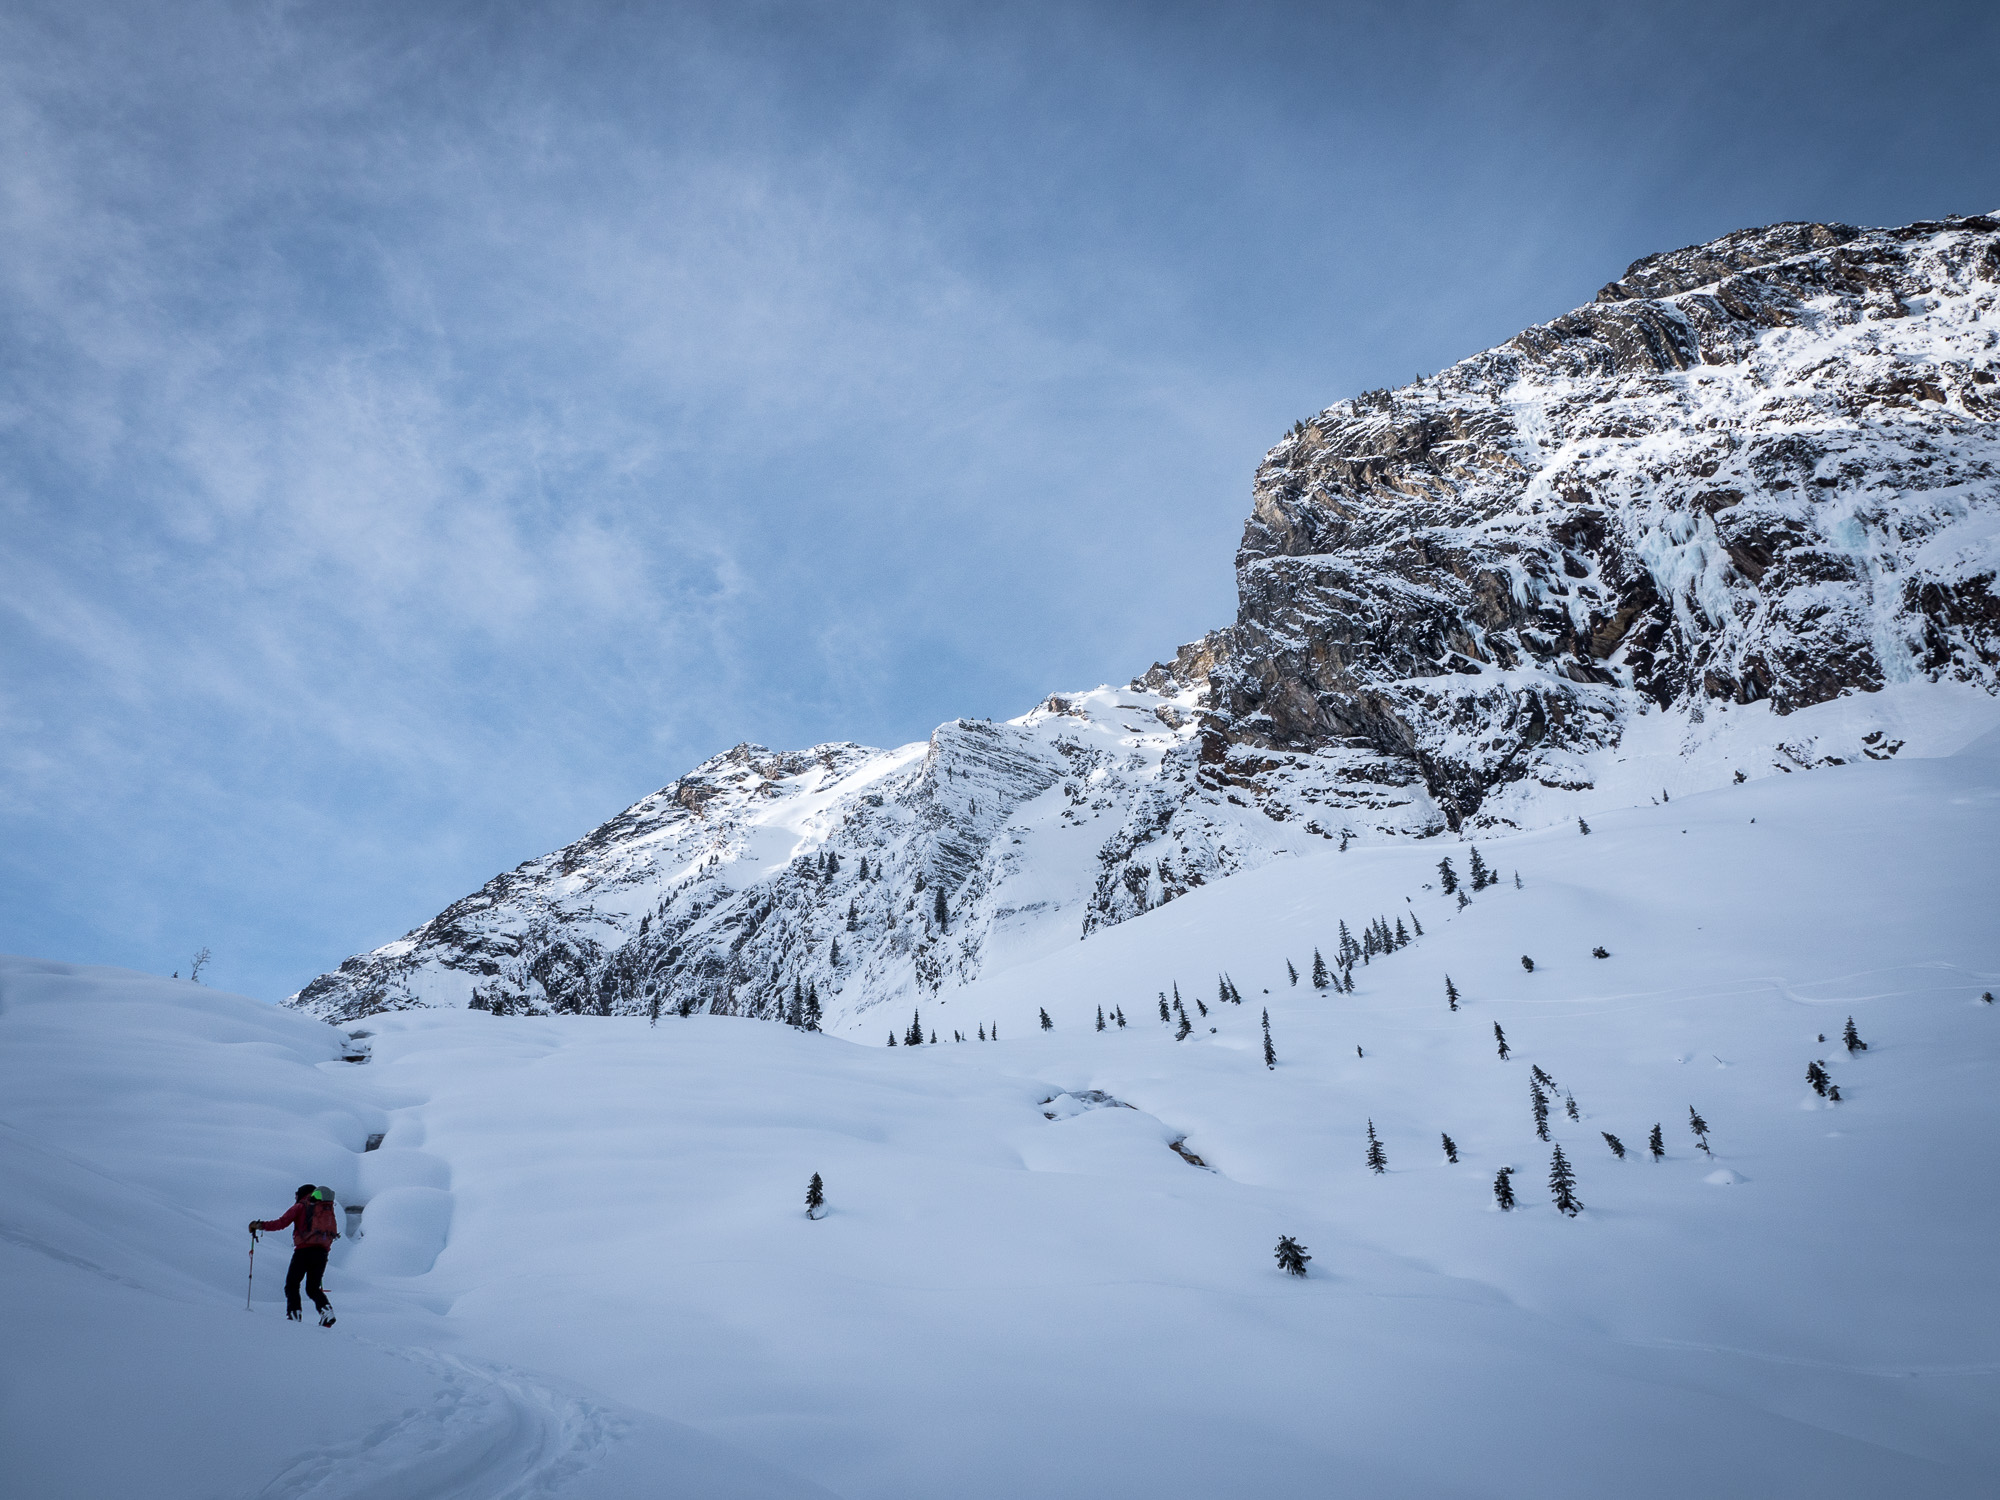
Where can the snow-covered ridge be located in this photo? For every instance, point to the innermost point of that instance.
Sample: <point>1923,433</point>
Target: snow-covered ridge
<point>1740,516</point>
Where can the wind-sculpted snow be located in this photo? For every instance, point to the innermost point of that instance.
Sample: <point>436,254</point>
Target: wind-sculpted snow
<point>1758,474</point>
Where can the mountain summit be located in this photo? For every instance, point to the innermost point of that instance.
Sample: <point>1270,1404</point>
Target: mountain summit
<point>1724,521</point>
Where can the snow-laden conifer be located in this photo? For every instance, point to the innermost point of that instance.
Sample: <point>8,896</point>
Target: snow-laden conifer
<point>815,1196</point>
<point>1656,1143</point>
<point>1450,993</point>
<point>1500,1037</point>
<point>1378,1159</point>
<point>1292,1256</point>
<point>1617,1146</point>
<point>1852,1038</point>
<point>1562,1185</point>
<point>1700,1128</point>
<point>1447,876</point>
<point>1503,1188</point>
<point>1047,1024</point>
<point>1450,1149</point>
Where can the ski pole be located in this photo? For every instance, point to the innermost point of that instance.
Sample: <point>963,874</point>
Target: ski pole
<point>247,1285</point>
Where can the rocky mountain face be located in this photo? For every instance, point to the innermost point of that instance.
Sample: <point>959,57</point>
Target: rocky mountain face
<point>1762,472</point>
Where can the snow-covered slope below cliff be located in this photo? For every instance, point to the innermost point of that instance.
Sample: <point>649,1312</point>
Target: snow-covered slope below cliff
<point>585,1270</point>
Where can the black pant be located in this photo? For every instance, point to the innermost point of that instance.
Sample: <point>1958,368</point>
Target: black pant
<point>308,1261</point>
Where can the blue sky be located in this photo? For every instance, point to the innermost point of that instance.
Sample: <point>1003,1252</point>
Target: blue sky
<point>424,430</point>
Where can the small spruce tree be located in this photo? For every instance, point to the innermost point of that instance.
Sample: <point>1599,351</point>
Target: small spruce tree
<point>1617,1146</point>
<point>1292,1256</point>
<point>1402,935</point>
<point>1656,1143</point>
<point>1270,1052</point>
<point>1319,971</point>
<point>1535,1072</point>
<point>815,1197</point>
<point>833,953</point>
<point>1119,1011</point>
<point>1047,1024</point>
<point>653,1009</point>
<point>1476,867</point>
<point>1100,1018</point>
<point>1500,1037</point>
<point>1816,1077</point>
<point>1164,1017</point>
<point>1450,1150</point>
<point>1700,1128</point>
<point>1852,1037</point>
<point>1201,1007</point>
<point>1378,1159</point>
<point>1540,1102</point>
<point>1447,876</point>
<point>982,1031</point>
<point>1186,1026</point>
<point>1833,1092</point>
<point>1562,1185</point>
<point>1569,1106</point>
<point>1416,924</point>
<point>1503,1188</point>
<point>1289,969</point>
<point>892,1039</point>
<point>1581,826</point>
<point>1600,952</point>
<point>1450,993</point>
<point>1527,963</point>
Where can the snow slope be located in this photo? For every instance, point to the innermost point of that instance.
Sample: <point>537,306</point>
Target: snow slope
<point>584,1237</point>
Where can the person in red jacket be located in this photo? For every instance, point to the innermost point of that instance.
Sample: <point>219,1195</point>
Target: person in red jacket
<point>313,1234</point>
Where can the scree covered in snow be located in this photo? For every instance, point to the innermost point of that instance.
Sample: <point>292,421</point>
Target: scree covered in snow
<point>1045,1264</point>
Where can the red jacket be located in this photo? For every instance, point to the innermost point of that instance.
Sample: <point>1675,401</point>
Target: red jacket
<point>312,1223</point>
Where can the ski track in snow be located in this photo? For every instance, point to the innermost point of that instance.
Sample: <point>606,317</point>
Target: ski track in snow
<point>486,1436</point>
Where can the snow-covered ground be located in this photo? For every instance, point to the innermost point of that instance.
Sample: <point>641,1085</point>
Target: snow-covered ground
<point>586,1270</point>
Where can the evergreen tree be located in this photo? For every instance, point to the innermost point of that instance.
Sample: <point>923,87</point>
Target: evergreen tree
<point>1186,1026</point>
<point>1047,1024</point>
<point>1986,998</point>
<point>1447,876</point>
<point>833,953</point>
<point>1541,1106</point>
<point>1503,1188</point>
<point>1562,1185</point>
<point>1833,1092</point>
<point>832,863</point>
<point>1119,1011</point>
<point>1517,880</point>
<point>1816,1076</point>
<point>1293,972</point>
<point>1700,1128</point>
<point>1581,826</point>
<point>1319,969</point>
<point>1358,1052</point>
<point>1347,979</point>
<point>1527,963</point>
<point>1100,1018</point>
<point>1600,951</point>
<point>1500,1037</point>
<point>914,1037</point>
<point>1416,924</point>
<point>1481,876</point>
<point>1270,1052</point>
<point>1451,1150</point>
<point>1463,901</point>
<point>1402,937</point>
<point>1378,1159</point>
<point>812,1008</point>
<point>1346,946</point>
<point>996,1032</point>
<point>1617,1146</point>
<point>1292,1256</point>
<point>1852,1037</point>
<point>1202,1008</point>
<point>1535,1072</point>
<point>1163,1007</point>
<point>982,1032</point>
<point>863,872</point>
<point>1450,993</point>
<point>1656,1143</point>
<point>938,913</point>
<point>892,1039</point>
<point>1569,1106</point>
<point>815,1197</point>
<point>853,915</point>
<point>933,1038</point>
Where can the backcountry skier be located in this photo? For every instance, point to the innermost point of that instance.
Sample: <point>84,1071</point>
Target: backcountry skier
<point>313,1233</point>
